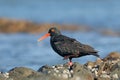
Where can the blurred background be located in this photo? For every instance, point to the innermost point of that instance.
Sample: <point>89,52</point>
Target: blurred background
<point>22,22</point>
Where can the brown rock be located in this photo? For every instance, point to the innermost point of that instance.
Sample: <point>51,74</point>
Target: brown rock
<point>22,73</point>
<point>62,72</point>
<point>2,77</point>
<point>22,26</point>
<point>98,61</point>
<point>101,78</point>
<point>112,56</point>
<point>110,32</point>
<point>81,72</point>
<point>90,64</point>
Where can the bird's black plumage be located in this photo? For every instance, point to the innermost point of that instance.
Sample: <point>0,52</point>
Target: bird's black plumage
<point>69,47</point>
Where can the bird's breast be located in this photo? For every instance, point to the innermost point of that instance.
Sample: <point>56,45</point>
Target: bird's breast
<point>56,50</point>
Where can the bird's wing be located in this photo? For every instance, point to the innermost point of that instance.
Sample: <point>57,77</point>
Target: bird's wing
<point>66,45</point>
<point>71,46</point>
<point>87,49</point>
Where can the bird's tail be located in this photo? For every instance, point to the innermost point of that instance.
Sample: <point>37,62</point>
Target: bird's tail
<point>95,54</point>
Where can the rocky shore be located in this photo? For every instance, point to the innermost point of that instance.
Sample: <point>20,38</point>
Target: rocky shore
<point>107,68</point>
<point>22,26</point>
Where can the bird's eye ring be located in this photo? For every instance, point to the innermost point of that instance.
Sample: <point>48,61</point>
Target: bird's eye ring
<point>53,30</point>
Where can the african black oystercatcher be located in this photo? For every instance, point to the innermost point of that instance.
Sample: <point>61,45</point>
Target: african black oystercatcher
<point>68,47</point>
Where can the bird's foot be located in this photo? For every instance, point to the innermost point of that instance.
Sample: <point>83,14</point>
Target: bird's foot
<point>70,65</point>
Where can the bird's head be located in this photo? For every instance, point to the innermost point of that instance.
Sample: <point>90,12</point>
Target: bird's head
<point>52,32</point>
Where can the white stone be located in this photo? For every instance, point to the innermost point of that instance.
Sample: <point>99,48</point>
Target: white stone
<point>53,66</point>
<point>69,75</point>
<point>115,76</point>
<point>104,72</point>
<point>59,67</point>
<point>78,78</point>
<point>93,69</point>
<point>65,76</point>
<point>105,76</point>
<point>59,75</point>
<point>6,75</point>
<point>64,71</point>
<point>71,71</point>
<point>56,71</point>
<point>54,74</point>
<point>96,73</point>
<point>96,65</point>
<point>67,71</point>
<point>49,71</point>
<point>90,67</point>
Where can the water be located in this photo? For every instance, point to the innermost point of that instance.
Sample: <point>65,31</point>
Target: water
<point>98,13</point>
<point>24,50</point>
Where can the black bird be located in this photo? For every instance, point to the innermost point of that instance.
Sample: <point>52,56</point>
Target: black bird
<point>68,47</point>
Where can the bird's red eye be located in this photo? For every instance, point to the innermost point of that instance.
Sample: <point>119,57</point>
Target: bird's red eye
<point>53,30</point>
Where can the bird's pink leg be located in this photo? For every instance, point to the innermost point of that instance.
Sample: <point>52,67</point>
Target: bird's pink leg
<point>70,63</point>
<point>70,59</point>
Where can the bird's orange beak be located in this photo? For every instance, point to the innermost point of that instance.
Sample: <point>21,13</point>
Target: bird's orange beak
<point>43,37</point>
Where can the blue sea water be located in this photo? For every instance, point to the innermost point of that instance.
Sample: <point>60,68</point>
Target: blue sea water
<point>24,50</point>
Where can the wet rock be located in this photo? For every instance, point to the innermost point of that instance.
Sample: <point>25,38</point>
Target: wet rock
<point>110,32</point>
<point>2,77</point>
<point>90,64</point>
<point>112,56</point>
<point>116,66</point>
<point>22,26</point>
<point>103,78</point>
<point>115,71</point>
<point>98,61</point>
<point>22,73</point>
<point>107,68</point>
<point>58,71</point>
<point>79,72</point>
